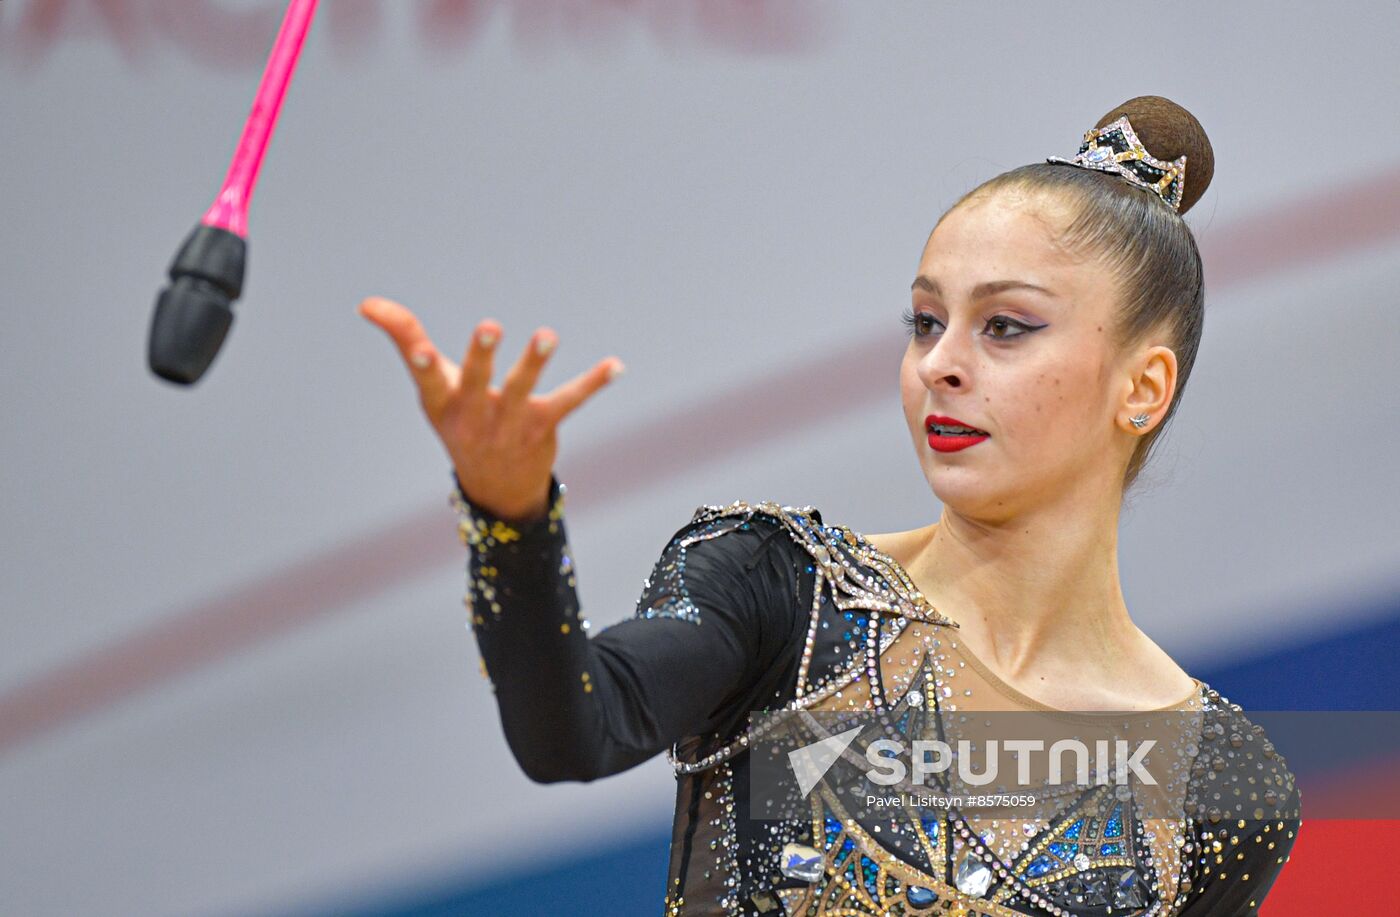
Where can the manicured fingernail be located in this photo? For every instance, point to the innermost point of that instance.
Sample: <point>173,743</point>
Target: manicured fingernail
<point>487,338</point>
<point>616,370</point>
<point>422,359</point>
<point>544,346</point>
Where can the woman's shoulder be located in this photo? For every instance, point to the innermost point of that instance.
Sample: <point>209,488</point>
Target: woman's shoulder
<point>829,544</point>
<point>733,535</point>
<point>725,539</point>
<point>745,554</point>
<point>761,519</point>
<point>1238,772</point>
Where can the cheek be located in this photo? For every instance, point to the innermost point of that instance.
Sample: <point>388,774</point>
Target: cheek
<point>1065,398</point>
<point>1053,401</point>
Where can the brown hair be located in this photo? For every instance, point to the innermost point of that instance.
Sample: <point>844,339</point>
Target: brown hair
<point>1138,236</point>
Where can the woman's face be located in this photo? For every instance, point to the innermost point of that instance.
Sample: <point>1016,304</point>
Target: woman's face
<point>1011,335</point>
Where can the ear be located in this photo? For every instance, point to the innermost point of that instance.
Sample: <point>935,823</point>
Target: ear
<point>1151,384</point>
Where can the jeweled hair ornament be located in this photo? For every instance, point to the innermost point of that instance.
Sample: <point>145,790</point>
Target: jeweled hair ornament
<point>1115,147</point>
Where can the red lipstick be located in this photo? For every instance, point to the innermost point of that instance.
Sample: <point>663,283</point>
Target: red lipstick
<point>948,434</point>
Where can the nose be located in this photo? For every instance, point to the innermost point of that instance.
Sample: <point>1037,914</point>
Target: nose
<point>945,365</point>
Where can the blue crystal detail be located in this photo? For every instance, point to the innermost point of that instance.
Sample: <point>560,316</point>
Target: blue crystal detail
<point>870,872</point>
<point>1073,831</point>
<point>920,896</point>
<point>1114,828</point>
<point>1064,851</point>
<point>1111,850</point>
<point>1040,866</point>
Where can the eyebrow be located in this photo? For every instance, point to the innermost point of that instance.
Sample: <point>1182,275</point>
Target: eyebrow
<point>990,288</point>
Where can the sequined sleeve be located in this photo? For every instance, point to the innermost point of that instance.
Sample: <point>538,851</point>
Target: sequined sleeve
<point>1246,813</point>
<point>715,633</point>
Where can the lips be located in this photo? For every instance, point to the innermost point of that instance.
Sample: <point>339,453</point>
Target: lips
<point>951,425</point>
<point>949,434</point>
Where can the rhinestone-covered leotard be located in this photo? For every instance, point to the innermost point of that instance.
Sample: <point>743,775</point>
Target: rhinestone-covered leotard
<point>761,607</point>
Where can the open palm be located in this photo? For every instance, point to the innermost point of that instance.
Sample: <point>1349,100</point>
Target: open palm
<point>502,441</point>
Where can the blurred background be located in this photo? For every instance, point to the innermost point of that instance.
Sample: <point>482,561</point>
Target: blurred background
<point>235,674</point>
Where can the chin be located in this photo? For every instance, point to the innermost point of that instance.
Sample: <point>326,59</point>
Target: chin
<point>971,492</point>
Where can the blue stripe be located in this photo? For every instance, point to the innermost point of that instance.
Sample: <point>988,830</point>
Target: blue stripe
<point>1358,669</point>
<point>620,881</point>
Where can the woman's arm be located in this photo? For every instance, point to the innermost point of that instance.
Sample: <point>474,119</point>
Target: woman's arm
<point>574,708</point>
<point>1237,863</point>
<point>711,638</point>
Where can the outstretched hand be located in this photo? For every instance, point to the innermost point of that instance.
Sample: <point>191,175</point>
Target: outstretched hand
<point>502,441</point>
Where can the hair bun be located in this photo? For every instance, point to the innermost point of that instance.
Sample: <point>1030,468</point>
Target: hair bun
<point>1167,131</point>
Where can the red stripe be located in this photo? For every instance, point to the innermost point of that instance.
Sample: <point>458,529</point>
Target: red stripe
<point>1338,867</point>
<point>1339,220</point>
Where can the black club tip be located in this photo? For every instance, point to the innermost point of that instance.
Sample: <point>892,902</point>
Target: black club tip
<point>195,311</point>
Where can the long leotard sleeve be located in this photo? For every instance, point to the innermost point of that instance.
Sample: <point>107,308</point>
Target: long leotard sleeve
<point>1237,866</point>
<point>711,638</point>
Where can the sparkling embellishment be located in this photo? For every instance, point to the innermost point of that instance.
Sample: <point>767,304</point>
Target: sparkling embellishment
<point>920,896</point>
<point>1116,148</point>
<point>664,593</point>
<point>801,862</point>
<point>1129,892</point>
<point>973,877</point>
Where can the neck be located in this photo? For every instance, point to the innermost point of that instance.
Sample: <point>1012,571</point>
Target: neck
<point>1038,595</point>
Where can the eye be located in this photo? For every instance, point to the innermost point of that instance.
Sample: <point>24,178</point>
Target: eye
<point>1003,325</point>
<point>998,327</point>
<point>920,325</point>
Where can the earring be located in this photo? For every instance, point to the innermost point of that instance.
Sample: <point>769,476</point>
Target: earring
<point>1140,420</point>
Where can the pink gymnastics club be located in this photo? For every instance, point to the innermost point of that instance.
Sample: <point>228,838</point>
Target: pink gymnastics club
<point>193,314</point>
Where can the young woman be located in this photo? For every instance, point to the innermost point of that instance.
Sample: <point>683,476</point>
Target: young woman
<point>1056,314</point>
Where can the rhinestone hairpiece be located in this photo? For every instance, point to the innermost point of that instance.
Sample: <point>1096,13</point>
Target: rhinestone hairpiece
<point>1115,147</point>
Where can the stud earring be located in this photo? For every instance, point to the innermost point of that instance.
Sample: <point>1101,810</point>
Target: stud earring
<point>1140,420</point>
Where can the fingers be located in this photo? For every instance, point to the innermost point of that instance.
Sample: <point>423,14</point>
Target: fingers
<point>439,380</point>
<point>434,374</point>
<point>569,395</point>
<point>521,379</point>
<point>477,364</point>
